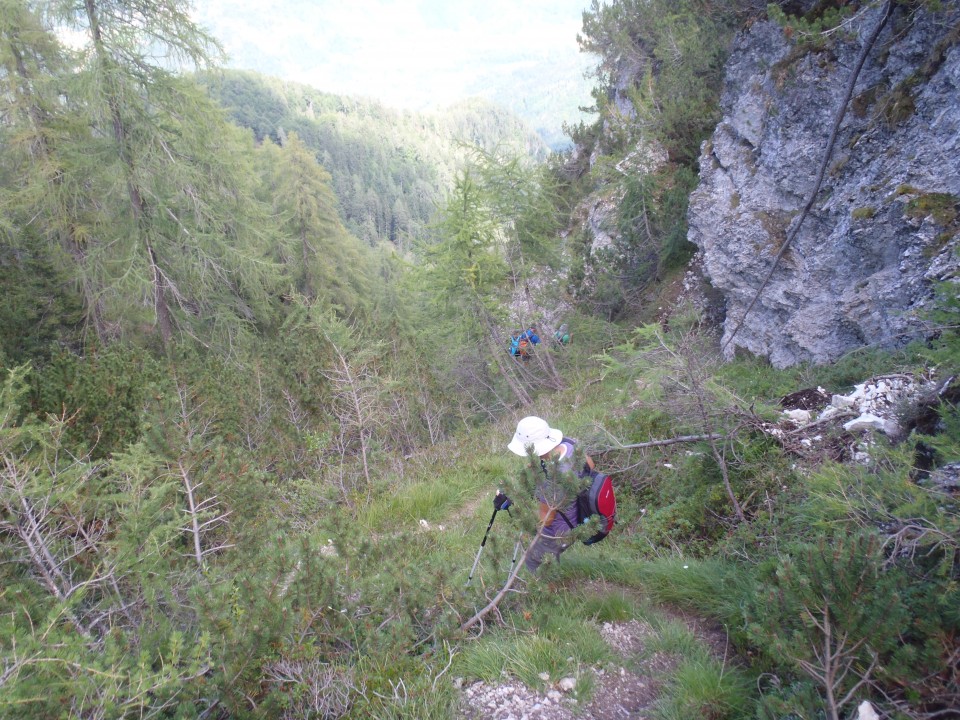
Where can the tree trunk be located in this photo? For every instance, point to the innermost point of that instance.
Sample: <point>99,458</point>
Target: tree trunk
<point>137,203</point>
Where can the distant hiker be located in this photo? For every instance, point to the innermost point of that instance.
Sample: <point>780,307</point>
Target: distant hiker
<point>521,343</point>
<point>556,453</point>
<point>562,335</point>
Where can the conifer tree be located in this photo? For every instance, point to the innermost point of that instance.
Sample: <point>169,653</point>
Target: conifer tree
<point>359,392</point>
<point>497,229</point>
<point>320,256</point>
<point>90,576</point>
<point>182,227</point>
<point>466,273</point>
<point>832,611</point>
<point>42,191</point>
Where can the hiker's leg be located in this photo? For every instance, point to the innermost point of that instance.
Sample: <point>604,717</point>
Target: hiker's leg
<point>541,548</point>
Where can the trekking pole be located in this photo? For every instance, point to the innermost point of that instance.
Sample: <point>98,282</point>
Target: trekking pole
<point>500,502</point>
<point>516,550</point>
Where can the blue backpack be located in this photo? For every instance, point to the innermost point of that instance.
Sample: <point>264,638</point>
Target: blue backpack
<point>520,345</point>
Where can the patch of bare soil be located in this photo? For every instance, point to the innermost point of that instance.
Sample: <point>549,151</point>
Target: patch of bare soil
<point>628,689</point>
<point>628,692</point>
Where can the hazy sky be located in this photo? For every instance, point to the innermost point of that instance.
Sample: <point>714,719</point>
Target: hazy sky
<point>405,52</point>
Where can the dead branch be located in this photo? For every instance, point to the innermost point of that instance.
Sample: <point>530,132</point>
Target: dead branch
<point>506,588</point>
<point>661,443</point>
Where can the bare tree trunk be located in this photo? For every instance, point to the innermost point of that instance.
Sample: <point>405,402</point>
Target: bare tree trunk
<point>355,400</point>
<point>30,522</point>
<point>193,435</point>
<point>189,489</point>
<point>721,458</point>
<point>694,379</point>
<point>834,659</point>
<point>196,510</point>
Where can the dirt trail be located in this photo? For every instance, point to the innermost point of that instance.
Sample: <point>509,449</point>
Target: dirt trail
<point>625,689</point>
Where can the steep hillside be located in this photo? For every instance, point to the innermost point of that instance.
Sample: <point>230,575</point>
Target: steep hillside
<point>390,168</point>
<point>247,463</point>
<point>418,55</point>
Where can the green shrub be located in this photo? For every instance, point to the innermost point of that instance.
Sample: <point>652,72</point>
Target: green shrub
<point>942,207</point>
<point>810,30</point>
<point>102,395</point>
<point>831,611</point>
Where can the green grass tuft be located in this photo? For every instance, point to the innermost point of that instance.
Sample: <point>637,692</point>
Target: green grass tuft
<point>705,689</point>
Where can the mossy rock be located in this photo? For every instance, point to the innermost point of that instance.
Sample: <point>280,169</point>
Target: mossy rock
<point>942,207</point>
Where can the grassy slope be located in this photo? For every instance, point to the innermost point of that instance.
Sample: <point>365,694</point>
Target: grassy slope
<point>552,623</point>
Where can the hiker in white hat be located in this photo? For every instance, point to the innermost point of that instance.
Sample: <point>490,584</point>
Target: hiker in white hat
<point>558,516</point>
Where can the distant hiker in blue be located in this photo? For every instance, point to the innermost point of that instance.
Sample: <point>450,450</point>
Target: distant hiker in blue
<point>521,343</point>
<point>550,445</point>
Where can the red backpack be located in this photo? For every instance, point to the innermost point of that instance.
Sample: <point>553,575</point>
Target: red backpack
<point>598,499</point>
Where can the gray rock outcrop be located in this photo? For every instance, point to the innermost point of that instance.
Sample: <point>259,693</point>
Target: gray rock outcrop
<point>884,226</point>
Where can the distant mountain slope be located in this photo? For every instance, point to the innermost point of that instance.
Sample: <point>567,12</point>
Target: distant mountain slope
<point>545,91</point>
<point>418,54</point>
<point>389,167</point>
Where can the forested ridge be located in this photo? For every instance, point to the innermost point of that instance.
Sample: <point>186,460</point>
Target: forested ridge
<point>390,168</point>
<point>256,395</point>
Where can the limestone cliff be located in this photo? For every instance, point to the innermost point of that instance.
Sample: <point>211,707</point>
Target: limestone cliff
<point>883,228</point>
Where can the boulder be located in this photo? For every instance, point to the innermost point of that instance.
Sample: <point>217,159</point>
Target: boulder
<point>866,711</point>
<point>868,421</point>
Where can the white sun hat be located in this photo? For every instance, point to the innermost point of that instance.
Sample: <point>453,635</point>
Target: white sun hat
<point>534,431</point>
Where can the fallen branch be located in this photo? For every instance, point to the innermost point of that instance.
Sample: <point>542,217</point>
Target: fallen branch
<point>662,443</point>
<point>506,588</point>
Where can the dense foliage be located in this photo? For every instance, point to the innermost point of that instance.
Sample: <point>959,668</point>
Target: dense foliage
<point>245,457</point>
<point>389,168</point>
<point>659,67</point>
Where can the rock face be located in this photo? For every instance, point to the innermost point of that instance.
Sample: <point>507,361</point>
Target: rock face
<point>883,228</point>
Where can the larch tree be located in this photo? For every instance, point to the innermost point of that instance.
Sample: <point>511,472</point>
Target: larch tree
<point>318,254</point>
<point>42,191</point>
<point>359,391</point>
<point>181,230</point>
<point>465,273</point>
